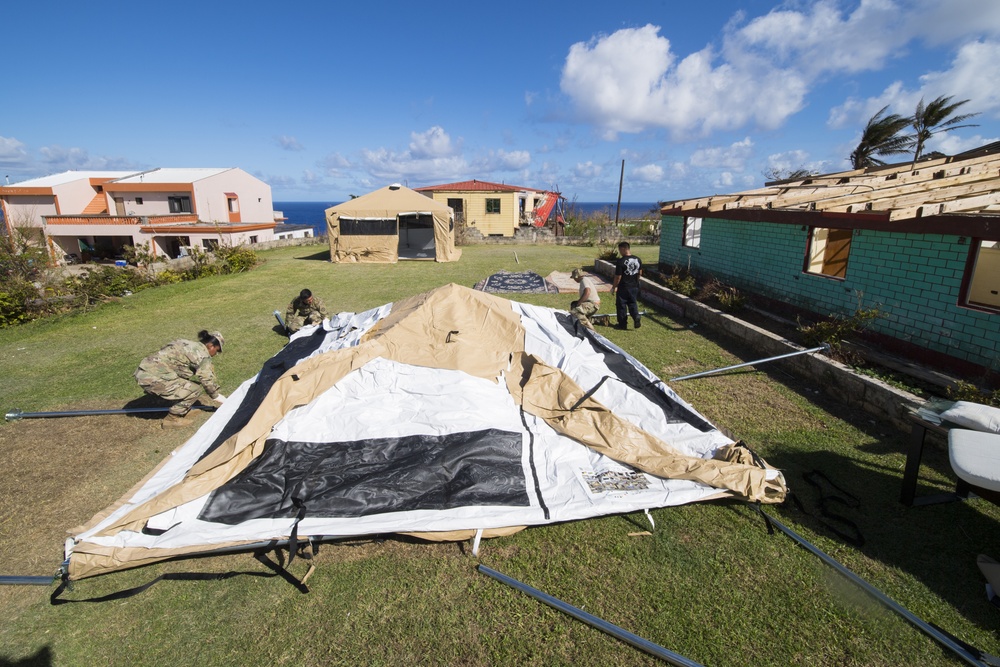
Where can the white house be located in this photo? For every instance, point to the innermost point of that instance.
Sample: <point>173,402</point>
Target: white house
<point>93,215</point>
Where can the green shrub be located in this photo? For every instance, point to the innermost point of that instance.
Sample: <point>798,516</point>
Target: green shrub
<point>236,259</point>
<point>726,296</point>
<point>679,281</point>
<point>15,295</point>
<point>966,391</point>
<point>835,330</point>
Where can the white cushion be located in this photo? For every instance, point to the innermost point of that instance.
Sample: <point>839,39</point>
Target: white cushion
<point>975,457</point>
<point>976,416</point>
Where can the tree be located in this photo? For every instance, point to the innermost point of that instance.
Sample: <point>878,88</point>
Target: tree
<point>934,118</point>
<point>883,135</point>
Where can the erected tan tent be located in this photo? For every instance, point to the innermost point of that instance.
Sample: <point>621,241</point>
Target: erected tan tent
<point>450,414</point>
<point>391,224</point>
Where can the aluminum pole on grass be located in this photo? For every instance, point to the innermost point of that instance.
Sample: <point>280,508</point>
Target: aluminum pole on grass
<point>942,637</point>
<point>16,414</point>
<point>602,625</point>
<point>822,348</point>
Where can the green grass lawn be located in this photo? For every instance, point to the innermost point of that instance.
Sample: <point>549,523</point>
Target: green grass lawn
<point>709,583</point>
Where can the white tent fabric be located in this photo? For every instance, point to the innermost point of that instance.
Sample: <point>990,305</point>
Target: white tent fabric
<point>464,453</point>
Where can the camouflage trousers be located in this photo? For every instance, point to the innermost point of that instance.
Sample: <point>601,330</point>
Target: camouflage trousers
<point>184,392</point>
<point>296,322</point>
<point>583,311</point>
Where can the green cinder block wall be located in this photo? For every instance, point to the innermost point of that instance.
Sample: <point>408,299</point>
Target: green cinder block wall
<point>914,279</point>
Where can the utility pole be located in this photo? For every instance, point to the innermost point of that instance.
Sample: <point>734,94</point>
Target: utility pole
<point>619,206</point>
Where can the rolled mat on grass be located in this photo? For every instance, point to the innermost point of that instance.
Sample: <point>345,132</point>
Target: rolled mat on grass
<point>525,282</point>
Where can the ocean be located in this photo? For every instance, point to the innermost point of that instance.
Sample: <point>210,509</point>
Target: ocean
<point>313,213</point>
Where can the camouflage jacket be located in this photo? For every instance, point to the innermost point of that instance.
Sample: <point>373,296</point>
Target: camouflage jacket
<point>185,359</point>
<point>298,307</point>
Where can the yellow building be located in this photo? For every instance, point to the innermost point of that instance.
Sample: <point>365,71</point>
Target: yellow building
<point>495,209</point>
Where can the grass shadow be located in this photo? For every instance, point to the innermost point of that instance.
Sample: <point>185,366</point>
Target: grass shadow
<point>323,256</point>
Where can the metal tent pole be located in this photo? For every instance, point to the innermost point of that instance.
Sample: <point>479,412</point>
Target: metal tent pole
<point>16,414</point>
<point>602,625</point>
<point>822,348</point>
<point>940,636</point>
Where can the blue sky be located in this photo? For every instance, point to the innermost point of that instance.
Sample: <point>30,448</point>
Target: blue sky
<point>323,99</point>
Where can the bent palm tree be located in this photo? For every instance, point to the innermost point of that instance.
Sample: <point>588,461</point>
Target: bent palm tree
<point>934,118</point>
<point>882,136</point>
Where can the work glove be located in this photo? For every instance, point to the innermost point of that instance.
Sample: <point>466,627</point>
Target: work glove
<point>220,399</point>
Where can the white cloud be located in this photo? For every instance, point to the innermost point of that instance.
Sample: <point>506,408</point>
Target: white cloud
<point>974,75</point>
<point>512,159</point>
<point>761,74</point>
<point>432,144</point>
<point>289,143</point>
<point>724,180</point>
<point>334,164</point>
<point>587,170</point>
<point>309,177</point>
<point>389,166</point>
<point>950,143</point>
<point>12,152</point>
<point>648,173</point>
<point>732,157</point>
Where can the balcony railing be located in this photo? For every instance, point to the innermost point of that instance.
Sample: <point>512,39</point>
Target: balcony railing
<point>145,220</point>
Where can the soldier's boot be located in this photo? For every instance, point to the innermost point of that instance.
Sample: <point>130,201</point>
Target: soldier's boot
<point>176,421</point>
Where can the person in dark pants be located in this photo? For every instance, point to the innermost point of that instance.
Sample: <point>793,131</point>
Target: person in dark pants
<point>628,270</point>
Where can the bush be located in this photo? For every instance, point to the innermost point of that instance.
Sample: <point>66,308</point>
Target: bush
<point>15,296</point>
<point>726,296</point>
<point>236,259</point>
<point>835,330</point>
<point>966,391</point>
<point>104,282</point>
<point>678,281</point>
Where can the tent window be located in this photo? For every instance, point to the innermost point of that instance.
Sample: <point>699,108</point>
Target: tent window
<point>828,252</point>
<point>692,232</point>
<point>349,227</point>
<point>983,276</point>
<point>493,205</point>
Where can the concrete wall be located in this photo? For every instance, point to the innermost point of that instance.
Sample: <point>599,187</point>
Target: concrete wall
<point>914,279</point>
<point>254,197</point>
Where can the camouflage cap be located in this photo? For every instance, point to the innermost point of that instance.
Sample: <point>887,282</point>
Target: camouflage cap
<point>217,336</point>
<point>577,273</point>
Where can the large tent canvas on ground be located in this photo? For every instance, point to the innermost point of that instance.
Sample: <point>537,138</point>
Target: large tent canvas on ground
<point>451,414</point>
<point>389,224</point>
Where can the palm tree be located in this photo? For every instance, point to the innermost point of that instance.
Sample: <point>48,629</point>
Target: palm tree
<point>882,136</point>
<point>933,118</point>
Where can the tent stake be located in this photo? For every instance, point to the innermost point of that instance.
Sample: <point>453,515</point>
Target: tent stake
<point>16,414</point>
<point>940,636</point>
<point>642,644</point>
<point>822,348</point>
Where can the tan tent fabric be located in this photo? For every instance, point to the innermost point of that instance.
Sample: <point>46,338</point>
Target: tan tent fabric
<point>388,203</point>
<point>453,328</point>
<point>552,395</point>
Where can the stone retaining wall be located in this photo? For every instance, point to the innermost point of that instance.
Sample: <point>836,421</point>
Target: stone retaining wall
<point>875,397</point>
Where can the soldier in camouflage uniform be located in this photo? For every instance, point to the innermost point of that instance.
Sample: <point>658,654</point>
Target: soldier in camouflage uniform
<point>182,372</point>
<point>304,309</point>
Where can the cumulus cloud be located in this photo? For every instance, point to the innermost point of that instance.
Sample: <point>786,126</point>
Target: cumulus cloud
<point>648,173</point>
<point>334,164</point>
<point>973,74</point>
<point>732,157</point>
<point>12,152</point>
<point>588,169</point>
<point>509,160</point>
<point>432,144</point>
<point>763,70</point>
<point>289,143</point>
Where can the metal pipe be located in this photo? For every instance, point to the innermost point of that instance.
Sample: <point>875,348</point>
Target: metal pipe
<point>941,637</point>
<point>16,414</point>
<point>822,348</point>
<point>602,625</point>
<point>15,580</point>
<point>284,328</point>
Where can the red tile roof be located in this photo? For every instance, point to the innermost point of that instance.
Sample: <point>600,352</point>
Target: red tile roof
<point>476,186</point>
